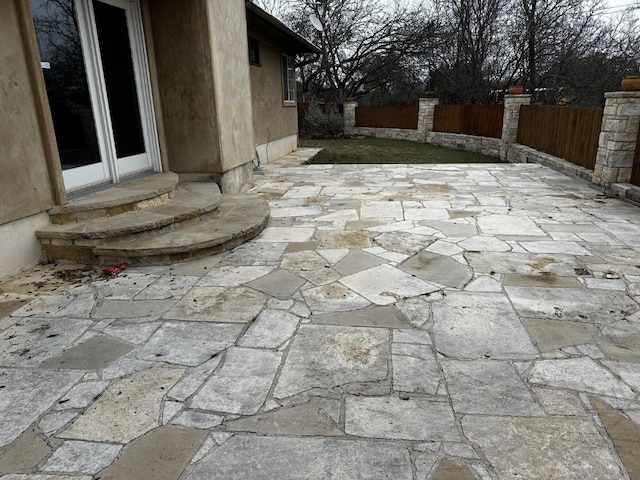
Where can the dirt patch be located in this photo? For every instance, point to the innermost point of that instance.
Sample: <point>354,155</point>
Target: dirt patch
<point>50,278</point>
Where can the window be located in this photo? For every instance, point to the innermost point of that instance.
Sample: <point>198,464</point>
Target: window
<point>254,52</point>
<point>288,79</point>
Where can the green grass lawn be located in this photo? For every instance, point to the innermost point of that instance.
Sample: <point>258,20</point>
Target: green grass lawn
<point>380,150</point>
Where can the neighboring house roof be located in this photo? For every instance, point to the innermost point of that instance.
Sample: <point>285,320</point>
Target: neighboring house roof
<point>270,28</point>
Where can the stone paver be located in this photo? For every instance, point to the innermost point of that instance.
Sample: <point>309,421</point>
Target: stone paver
<point>266,458</point>
<point>410,322</point>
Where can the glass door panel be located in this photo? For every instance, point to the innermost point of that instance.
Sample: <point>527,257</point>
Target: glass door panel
<point>96,76</point>
<point>119,78</point>
<point>114,34</point>
<point>65,75</point>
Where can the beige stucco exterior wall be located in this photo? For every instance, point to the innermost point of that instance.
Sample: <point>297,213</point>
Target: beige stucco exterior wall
<point>228,27</point>
<point>272,119</point>
<point>184,81</point>
<point>25,187</point>
<point>202,76</point>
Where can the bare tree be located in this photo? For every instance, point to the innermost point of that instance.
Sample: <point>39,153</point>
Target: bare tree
<point>471,56</point>
<point>365,44</point>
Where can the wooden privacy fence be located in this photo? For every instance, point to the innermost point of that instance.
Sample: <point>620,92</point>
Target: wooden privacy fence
<point>400,116</point>
<point>570,133</point>
<point>481,120</point>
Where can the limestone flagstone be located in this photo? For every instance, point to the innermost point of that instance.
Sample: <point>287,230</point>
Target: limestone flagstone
<point>582,374</point>
<point>84,457</point>
<point>124,286</point>
<point>387,316</point>
<point>290,458</point>
<point>624,433</point>
<point>82,394</point>
<point>488,387</point>
<point>28,394</point>
<point>241,385</point>
<point>439,269</point>
<point>218,304</point>
<point>475,325</point>
<point>170,286</point>
<point>161,454</point>
<point>95,353</point>
<point>270,330</point>
<point>325,356</point>
<point>24,454</point>
<point>33,340</point>
<point>559,402</point>
<point>127,409</point>
<point>402,242</point>
<point>189,343</point>
<point>508,225</point>
<point>333,297</point>
<point>111,309</point>
<point>569,448</point>
<point>357,261</point>
<point>310,266</point>
<point>415,369</point>
<point>400,418</point>
<point>385,284</point>
<point>523,263</point>
<point>253,251</point>
<point>308,419</point>
<point>279,283</point>
<point>285,234</point>
<point>233,276</point>
<point>579,304</point>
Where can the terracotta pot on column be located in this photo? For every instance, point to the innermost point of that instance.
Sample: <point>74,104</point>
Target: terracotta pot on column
<point>631,83</point>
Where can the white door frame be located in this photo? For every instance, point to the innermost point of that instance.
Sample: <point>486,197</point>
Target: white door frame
<point>111,168</point>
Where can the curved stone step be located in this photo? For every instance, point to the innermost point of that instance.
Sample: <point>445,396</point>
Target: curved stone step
<point>238,219</point>
<point>140,194</point>
<point>190,200</point>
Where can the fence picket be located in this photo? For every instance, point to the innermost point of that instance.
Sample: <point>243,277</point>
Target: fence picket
<point>570,133</point>
<point>398,116</point>
<point>481,120</point>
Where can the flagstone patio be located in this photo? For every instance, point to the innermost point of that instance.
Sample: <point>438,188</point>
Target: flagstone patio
<point>418,322</point>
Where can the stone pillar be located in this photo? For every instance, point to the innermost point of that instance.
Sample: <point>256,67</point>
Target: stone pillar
<point>618,137</point>
<point>426,111</point>
<point>349,115</point>
<point>510,120</point>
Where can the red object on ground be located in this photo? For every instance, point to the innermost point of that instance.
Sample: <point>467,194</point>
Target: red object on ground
<point>114,270</point>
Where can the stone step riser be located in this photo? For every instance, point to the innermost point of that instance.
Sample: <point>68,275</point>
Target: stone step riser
<point>145,232</point>
<point>235,221</point>
<point>82,249</point>
<point>146,193</point>
<point>94,214</point>
<point>166,259</point>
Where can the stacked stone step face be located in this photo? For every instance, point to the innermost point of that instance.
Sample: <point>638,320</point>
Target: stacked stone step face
<point>152,221</point>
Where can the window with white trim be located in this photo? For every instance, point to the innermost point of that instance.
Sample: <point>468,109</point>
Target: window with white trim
<point>288,79</point>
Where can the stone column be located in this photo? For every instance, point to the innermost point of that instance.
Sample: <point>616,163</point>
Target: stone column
<point>349,115</point>
<point>510,120</point>
<point>618,137</point>
<point>426,110</point>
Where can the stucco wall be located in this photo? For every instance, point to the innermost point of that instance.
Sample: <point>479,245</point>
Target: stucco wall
<point>25,187</point>
<point>272,120</point>
<point>228,27</point>
<point>185,80</point>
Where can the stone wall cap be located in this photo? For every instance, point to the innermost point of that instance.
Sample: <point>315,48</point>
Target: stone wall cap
<point>631,94</point>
